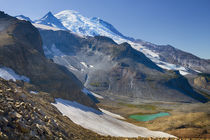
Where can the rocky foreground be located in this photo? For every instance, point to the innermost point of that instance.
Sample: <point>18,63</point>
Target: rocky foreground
<point>29,116</point>
<point>25,115</point>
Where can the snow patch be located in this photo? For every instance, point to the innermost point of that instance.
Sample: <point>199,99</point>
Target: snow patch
<point>91,66</point>
<point>102,123</point>
<point>112,114</point>
<point>9,74</point>
<point>197,71</point>
<point>84,90</point>
<point>168,66</point>
<point>45,27</point>
<point>84,64</point>
<point>34,92</point>
<point>183,72</point>
<point>96,95</point>
<point>142,49</point>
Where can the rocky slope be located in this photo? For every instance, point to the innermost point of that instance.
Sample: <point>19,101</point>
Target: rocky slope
<point>28,115</point>
<point>179,57</point>
<point>115,69</point>
<point>31,116</point>
<point>21,50</point>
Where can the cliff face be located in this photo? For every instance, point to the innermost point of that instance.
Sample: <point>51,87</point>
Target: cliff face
<point>21,50</point>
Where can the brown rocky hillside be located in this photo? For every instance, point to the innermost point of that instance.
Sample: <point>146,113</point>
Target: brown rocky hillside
<point>21,50</point>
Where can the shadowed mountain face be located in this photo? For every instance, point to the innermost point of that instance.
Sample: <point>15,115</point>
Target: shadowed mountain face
<point>21,50</point>
<point>114,69</point>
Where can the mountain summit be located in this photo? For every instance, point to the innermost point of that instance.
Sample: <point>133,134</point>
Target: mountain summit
<point>50,20</point>
<point>78,23</point>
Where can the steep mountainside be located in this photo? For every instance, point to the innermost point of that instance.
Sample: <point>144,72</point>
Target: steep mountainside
<point>21,50</point>
<point>115,69</point>
<point>175,56</point>
<point>25,116</point>
<point>164,56</point>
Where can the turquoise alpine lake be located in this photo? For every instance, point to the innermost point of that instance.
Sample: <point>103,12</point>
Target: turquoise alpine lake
<point>148,117</point>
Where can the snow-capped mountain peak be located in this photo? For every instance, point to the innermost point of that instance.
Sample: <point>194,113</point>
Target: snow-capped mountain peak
<point>22,17</point>
<point>110,27</point>
<point>77,23</point>
<point>85,26</point>
<point>50,20</point>
<point>48,16</point>
<point>82,25</point>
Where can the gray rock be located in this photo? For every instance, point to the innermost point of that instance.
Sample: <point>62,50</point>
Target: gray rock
<point>116,70</point>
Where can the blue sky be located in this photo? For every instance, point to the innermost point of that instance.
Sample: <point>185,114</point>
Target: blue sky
<point>184,24</point>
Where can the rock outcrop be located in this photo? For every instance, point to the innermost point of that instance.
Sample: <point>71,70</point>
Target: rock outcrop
<point>202,82</point>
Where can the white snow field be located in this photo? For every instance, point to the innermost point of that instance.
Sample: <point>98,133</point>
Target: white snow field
<point>102,123</point>
<point>77,23</point>
<point>86,91</point>
<point>9,74</point>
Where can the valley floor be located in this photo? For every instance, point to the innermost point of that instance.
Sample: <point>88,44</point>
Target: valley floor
<point>186,120</point>
<point>20,108</point>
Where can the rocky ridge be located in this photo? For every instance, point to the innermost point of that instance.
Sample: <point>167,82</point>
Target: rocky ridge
<point>21,50</point>
<point>175,56</point>
<point>25,115</point>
